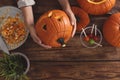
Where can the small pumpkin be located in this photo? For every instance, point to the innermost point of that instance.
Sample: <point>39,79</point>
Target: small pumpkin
<point>111,30</point>
<point>54,28</point>
<point>81,17</point>
<point>96,7</point>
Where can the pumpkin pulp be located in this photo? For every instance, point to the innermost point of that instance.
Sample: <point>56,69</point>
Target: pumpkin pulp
<point>96,1</point>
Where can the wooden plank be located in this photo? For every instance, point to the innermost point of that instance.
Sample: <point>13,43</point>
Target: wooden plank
<point>46,5</point>
<point>75,71</point>
<point>73,52</point>
<point>8,3</point>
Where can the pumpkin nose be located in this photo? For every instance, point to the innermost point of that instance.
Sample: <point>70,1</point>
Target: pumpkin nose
<point>61,41</point>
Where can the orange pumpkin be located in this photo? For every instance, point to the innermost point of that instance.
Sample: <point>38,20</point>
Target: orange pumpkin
<point>82,18</point>
<point>96,7</point>
<point>54,28</point>
<point>111,30</point>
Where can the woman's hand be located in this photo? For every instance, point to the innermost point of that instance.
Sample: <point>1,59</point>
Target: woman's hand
<point>29,22</point>
<point>66,7</point>
<point>72,20</point>
<point>36,38</point>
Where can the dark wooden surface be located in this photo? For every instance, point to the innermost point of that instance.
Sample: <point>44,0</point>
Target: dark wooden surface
<point>74,62</point>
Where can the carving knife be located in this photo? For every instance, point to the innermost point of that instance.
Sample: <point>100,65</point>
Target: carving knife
<point>3,46</point>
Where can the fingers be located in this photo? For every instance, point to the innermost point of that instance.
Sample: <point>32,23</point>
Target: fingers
<point>43,45</point>
<point>38,41</point>
<point>73,22</point>
<point>46,46</point>
<point>74,29</point>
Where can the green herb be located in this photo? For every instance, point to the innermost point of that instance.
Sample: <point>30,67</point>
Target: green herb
<point>12,67</point>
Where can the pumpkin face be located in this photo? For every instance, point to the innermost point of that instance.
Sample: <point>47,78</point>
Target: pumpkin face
<point>54,28</point>
<point>81,17</point>
<point>97,7</point>
<point>111,30</point>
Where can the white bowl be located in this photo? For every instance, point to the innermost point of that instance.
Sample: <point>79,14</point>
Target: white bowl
<point>87,43</point>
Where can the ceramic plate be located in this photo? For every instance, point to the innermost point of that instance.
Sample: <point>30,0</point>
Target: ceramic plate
<point>10,12</point>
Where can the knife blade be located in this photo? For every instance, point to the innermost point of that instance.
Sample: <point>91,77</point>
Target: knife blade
<point>3,46</point>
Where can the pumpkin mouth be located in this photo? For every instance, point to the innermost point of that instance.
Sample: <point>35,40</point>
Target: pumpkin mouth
<point>96,1</point>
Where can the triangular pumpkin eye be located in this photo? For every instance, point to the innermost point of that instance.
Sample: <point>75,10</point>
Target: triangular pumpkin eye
<point>59,18</point>
<point>44,27</point>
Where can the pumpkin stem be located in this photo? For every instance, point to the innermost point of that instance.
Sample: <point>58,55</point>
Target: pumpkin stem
<point>61,41</point>
<point>96,1</point>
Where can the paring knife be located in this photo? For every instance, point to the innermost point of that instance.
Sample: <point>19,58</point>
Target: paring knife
<point>3,46</point>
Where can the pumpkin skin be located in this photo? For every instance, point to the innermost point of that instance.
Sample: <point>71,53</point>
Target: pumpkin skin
<point>54,28</point>
<point>81,17</point>
<point>96,7</point>
<point>111,30</point>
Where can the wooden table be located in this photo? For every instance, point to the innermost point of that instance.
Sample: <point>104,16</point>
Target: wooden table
<point>74,62</point>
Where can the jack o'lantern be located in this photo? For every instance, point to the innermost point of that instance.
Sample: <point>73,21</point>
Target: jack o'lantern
<point>97,7</point>
<point>54,28</point>
<point>111,30</point>
<point>81,17</point>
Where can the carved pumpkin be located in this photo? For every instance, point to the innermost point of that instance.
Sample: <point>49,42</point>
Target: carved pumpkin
<point>82,18</point>
<point>96,7</point>
<point>111,30</point>
<point>54,28</point>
